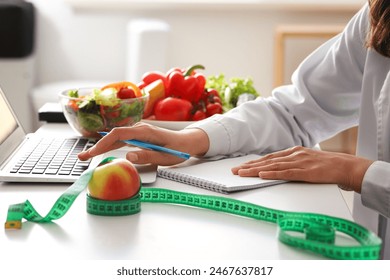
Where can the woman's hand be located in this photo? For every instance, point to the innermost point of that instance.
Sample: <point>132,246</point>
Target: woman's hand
<point>192,141</point>
<point>308,165</point>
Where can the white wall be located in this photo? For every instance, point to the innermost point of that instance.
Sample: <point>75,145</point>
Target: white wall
<point>92,45</point>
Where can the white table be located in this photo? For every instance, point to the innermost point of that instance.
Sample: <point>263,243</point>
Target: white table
<point>160,231</point>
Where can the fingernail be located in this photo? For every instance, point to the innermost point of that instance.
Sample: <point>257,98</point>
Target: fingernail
<point>243,171</point>
<point>82,155</point>
<point>86,154</point>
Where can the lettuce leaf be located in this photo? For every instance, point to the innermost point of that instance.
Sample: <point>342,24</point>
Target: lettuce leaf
<point>230,90</point>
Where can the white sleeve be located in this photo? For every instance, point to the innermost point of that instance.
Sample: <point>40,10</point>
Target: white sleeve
<point>375,191</point>
<point>323,99</point>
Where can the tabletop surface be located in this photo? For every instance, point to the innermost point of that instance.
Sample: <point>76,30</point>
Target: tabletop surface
<point>160,231</point>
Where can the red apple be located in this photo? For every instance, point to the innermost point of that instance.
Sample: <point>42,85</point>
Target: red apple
<point>115,179</point>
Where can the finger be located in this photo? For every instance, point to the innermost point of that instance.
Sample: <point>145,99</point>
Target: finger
<point>267,159</point>
<point>113,141</point>
<point>85,155</point>
<point>153,157</point>
<point>97,150</point>
<point>276,166</point>
<point>285,175</point>
<point>104,145</point>
<point>282,158</point>
<point>278,154</point>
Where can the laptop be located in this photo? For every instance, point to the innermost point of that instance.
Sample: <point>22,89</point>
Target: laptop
<point>34,158</point>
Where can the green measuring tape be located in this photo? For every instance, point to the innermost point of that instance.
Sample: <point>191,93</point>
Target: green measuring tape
<point>319,230</point>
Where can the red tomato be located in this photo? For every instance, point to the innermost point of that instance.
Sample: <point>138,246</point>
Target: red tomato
<point>211,91</point>
<point>216,99</point>
<point>212,96</point>
<point>199,115</point>
<point>123,122</point>
<point>119,85</point>
<point>73,104</point>
<point>173,109</point>
<point>125,93</point>
<point>112,115</point>
<point>213,108</point>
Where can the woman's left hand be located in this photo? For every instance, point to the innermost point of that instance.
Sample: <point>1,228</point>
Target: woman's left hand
<point>308,165</point>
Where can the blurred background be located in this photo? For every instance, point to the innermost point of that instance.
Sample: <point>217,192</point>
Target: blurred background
<point>87,42</point>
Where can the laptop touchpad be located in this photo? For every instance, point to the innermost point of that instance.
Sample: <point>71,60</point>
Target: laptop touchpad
<point>147,172</point>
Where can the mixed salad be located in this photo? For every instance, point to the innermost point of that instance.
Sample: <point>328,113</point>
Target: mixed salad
<point>101,109</point>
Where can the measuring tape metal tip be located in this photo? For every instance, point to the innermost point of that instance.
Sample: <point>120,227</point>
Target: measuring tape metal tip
<point>13,225</point>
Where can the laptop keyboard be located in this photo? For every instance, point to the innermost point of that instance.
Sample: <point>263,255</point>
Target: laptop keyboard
<point>54,157</point>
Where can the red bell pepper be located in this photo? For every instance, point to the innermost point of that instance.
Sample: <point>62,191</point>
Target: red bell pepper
<point>187,84</point>
<point>151,76</point>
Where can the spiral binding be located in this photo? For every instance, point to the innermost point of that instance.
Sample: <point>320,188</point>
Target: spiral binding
<point>191,180</point>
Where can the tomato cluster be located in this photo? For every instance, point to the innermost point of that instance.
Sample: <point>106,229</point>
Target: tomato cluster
<point>186,97</point>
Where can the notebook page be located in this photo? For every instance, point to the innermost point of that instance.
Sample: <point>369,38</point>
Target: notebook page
<point>214,175</point>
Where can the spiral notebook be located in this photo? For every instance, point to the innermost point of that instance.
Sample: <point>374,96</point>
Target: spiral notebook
<point>214,175</point>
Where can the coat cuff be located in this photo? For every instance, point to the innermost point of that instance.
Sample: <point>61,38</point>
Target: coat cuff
<point>217,132</point>
<point>375,190</point>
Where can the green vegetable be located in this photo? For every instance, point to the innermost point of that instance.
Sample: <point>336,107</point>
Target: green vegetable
<point>133,109</point>
<point>88,106</point>
<point>218,83</point>
<point>106,97</point>
<point>74,93</point>
<point>90,122</point>
<point>232,89</point>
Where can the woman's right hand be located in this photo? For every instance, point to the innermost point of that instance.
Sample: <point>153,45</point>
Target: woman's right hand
<point>193,141</point>
<point>308,165</point>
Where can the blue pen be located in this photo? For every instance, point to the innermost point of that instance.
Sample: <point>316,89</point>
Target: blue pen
<point>153,147</point>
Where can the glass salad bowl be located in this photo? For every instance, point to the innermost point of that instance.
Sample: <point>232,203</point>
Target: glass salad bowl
<point>90,110</point>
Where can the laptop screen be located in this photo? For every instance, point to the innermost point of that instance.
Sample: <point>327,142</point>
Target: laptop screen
<point>8,121</point>
<point>11,133</point>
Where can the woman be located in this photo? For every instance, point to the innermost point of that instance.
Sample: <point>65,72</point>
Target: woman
<point>345,82</point>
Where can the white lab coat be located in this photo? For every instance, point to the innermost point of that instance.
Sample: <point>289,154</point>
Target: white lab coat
<point>340,85</point>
